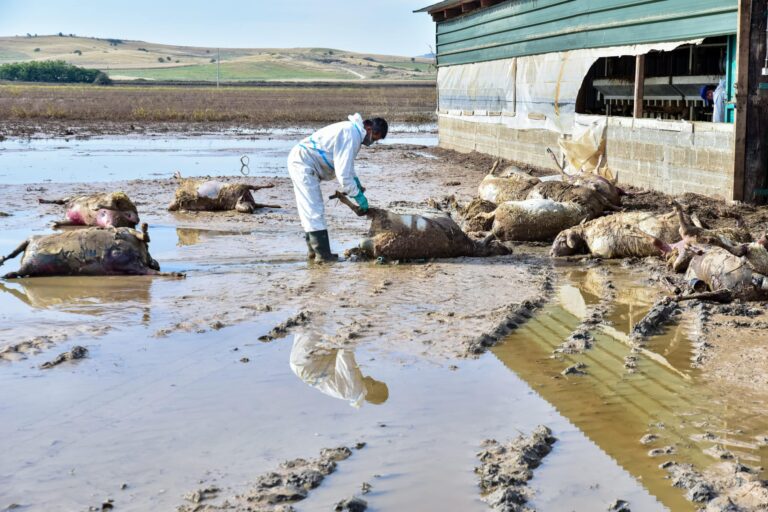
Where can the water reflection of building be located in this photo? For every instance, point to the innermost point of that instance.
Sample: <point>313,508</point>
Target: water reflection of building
<point>333,371</point>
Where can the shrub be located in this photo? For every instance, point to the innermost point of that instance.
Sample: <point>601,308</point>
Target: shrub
<point>213,60</point>
<point>168,59</point>
<point>37,49</point>
<point>142,49</point>
<point>102,79</point>
<point>78,52</point>
<point>160,59</point>
<point>47,71</point>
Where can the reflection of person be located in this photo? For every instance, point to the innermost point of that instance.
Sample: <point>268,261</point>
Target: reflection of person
<point>715,97</point>
<point>327,154</point>
<point>333,371</point>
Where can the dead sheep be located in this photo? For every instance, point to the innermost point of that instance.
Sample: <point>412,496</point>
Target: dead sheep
<point>208,195</point>
<point>620,235</point>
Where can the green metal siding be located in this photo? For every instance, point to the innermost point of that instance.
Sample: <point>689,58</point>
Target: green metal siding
<point>529,27</point>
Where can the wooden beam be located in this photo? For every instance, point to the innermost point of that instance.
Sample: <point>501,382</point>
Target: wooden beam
<point>750,166</point>
<point>451,12</point>
<point>639,85</point>
<point>438,16</point>
<point>470,6</point>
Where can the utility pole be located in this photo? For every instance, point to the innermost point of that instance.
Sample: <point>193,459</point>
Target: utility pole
<point>750,170</point>
<point>218,61</point>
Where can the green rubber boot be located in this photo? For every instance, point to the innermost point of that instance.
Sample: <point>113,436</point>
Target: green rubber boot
<point>321,245</point>
<point>310,250</point>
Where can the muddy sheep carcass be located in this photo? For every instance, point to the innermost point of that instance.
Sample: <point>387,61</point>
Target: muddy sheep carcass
<point>86,252</point>
<point>533,219</point>
<point>209,195</point>
<point>620,235</point>
<point>110,209</point>
<point>745,277</point>
<point>417,234</point>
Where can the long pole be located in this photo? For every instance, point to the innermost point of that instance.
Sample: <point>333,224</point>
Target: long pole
<point>218,61</point>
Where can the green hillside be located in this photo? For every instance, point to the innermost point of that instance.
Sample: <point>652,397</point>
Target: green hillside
<point>124,59</point>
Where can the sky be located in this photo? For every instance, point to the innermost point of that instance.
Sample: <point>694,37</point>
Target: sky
<point>369,26</point>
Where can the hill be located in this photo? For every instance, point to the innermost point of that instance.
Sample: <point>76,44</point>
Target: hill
<point>125,59</point>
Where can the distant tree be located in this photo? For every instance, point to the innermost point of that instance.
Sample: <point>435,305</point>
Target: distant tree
<point>168,59</point>
<point>380,68</point>
<point>213,60</point>
<point>160,59</point>
<point>37,49</point>
<point>29,35</point>
<point>413,59</point>
<point>71,35</point>
<point>61,34</point>
<point>78,52</point>
<point>115,42</point>
<point>47,71</point>
<point>142,49</point>
<point>177,61</point>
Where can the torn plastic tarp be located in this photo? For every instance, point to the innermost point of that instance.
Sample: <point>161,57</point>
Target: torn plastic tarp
<point>532,92</point>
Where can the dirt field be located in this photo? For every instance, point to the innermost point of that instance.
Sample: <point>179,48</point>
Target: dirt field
<point>190,384</point>
<point>72,110</point>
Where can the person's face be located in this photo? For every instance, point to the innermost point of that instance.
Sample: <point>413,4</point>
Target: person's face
<point>710,94</point>
<point>370,136</point>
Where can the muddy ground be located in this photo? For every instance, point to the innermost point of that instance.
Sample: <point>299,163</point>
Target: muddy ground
<point>249,291</point>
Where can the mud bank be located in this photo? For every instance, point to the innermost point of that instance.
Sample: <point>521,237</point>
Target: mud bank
<point>258,355</point>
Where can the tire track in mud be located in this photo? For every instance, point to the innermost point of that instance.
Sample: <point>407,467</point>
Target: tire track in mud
<point>274,491</point>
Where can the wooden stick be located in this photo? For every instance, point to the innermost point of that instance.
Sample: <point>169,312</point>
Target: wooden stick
<point>717,296</point>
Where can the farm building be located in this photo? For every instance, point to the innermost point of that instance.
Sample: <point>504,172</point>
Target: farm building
<point>622,77</point>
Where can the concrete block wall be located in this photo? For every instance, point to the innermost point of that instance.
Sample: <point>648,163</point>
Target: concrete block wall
<point>669,156</point>
<point>672,156</point>
<point>525,146</point>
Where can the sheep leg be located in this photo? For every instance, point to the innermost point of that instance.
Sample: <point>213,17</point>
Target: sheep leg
<point>20,249</point>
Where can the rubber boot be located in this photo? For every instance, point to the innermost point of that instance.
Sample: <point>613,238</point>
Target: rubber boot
<point>310,250</point>
<point>320,243</point>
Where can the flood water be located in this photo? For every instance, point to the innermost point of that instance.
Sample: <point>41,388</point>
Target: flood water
<point>179,392</point>
<point>103,159</point>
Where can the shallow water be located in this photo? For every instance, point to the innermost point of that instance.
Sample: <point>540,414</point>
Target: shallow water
<point>103,159</point>
<point>163,402</point>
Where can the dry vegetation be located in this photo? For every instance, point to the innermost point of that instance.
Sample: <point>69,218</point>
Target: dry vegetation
<point>126,59</point>
<point>262,106</point>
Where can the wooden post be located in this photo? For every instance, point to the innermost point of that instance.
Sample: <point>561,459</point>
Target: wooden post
<point>749,166</point>
<point>639,84</point>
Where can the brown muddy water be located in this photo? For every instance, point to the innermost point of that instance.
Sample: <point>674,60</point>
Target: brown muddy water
<point>179,392</point>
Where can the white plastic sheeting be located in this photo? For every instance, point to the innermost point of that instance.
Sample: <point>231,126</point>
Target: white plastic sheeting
<point>532,92</point>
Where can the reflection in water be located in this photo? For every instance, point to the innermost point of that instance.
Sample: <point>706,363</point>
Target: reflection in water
<point>192,236</point>
<point>614,407</point>
<point>84,295</point>
<point>333,371</point>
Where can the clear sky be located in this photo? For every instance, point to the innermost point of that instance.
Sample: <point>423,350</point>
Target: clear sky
<point>372,26</point>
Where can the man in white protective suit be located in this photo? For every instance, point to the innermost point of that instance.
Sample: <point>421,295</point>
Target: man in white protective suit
<point>327,154</point>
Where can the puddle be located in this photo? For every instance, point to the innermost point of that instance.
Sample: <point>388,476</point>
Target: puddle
<point>103,159</point>
<point>616,408</point>
<point>164,402</point>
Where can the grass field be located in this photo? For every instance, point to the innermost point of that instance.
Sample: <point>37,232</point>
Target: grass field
<point>139,59</point>
<point>236,71</point>
<point>262,106</point>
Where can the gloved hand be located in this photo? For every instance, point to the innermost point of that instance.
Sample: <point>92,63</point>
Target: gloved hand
<point>360,198</point>
<point>362,202</point>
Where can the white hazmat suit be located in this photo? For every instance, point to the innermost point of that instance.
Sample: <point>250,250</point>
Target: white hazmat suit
<point>326,154</point>
<point>718,98</point>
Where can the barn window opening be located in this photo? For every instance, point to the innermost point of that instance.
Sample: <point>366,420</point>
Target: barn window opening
<point>672,86</point>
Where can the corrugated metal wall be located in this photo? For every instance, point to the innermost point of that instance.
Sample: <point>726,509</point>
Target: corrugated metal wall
<point>529,27</point>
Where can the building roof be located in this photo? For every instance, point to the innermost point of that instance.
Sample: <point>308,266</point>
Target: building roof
<point>448,9</point>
